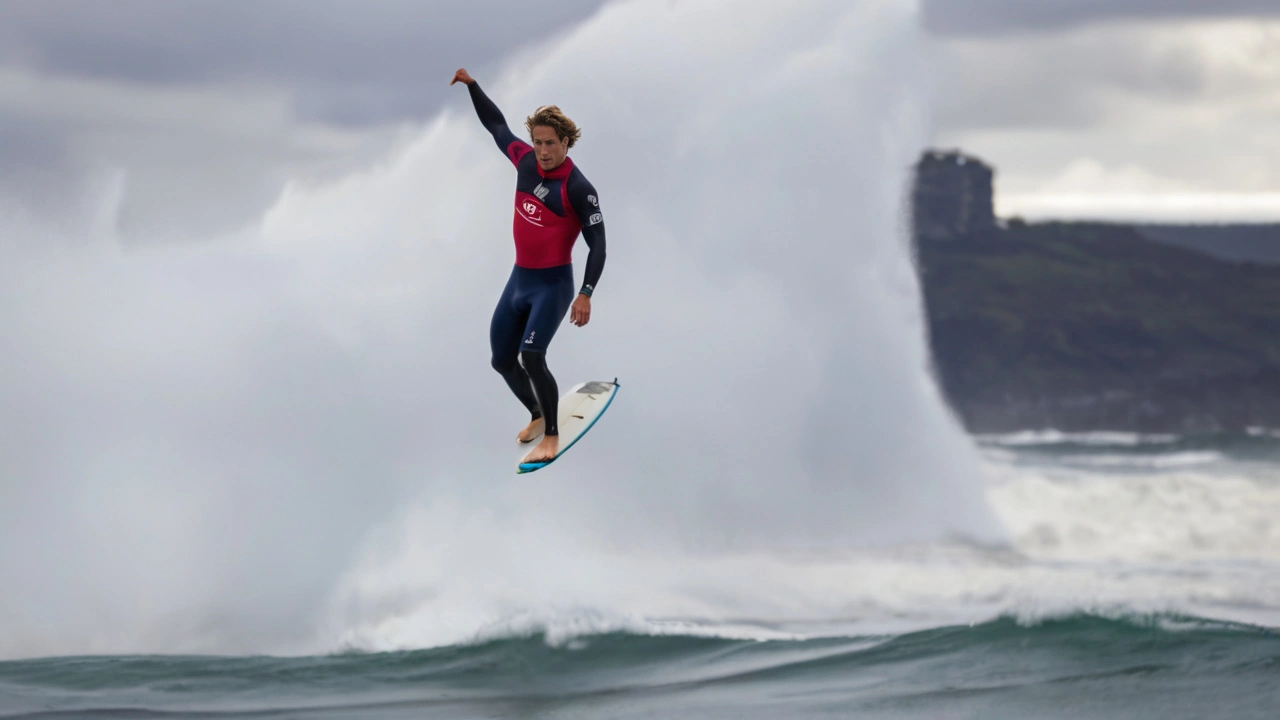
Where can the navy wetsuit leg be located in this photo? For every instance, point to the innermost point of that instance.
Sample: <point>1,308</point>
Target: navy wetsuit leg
<point>531,308</point>
<point>547,293</point>
<point>505,332</point>
<point>550,293</point>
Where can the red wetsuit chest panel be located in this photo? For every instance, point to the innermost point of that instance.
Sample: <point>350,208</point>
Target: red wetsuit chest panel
<point>543,238</point>
<point>544,226</point>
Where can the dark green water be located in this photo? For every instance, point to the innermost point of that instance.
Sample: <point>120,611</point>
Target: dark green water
<point>1083,666</point>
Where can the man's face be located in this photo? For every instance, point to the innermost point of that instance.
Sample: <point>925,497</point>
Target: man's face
<point>549,148</point>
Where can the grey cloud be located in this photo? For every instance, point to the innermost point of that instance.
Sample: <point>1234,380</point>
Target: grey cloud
<point>346,62</point>
<point>998,17</point>
<point>36,169</point>
<point>208,108</point>
<point>1070,80</point>
<point>29,146</point>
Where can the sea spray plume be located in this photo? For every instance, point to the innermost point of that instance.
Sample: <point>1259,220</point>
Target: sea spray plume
<point>180,443</point>
<point>197,438</point>
<point>760,307</point>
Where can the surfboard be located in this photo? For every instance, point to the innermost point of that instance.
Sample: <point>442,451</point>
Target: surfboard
<point>580,408</point>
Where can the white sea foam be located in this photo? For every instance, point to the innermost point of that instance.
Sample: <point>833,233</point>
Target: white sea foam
<point>1084,540</point>
<point>1162,460</point>
<point>1158,517</point>
<point>1057,437</point>
<point>202,436</point>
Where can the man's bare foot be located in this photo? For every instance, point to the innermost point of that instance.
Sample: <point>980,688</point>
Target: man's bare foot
<point>546,450</point>
<point>531,431</point>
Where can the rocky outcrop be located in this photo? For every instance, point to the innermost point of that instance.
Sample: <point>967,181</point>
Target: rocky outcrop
<point>1094,327</point>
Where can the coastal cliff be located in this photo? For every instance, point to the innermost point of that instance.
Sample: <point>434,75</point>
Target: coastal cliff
<point>1080,326</point>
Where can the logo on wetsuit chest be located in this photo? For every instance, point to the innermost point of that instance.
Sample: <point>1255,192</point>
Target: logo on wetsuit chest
<point>541,192</point>
<point>532,211</point>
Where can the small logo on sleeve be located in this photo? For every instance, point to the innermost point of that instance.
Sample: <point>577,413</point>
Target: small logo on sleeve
<point>595,219</point>
<point>594,202</point>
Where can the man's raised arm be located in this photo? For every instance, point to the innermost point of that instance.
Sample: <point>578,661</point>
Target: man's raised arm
<point>492,119</point>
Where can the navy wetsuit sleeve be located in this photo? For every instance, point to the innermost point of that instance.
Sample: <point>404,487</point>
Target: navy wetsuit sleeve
<point>586,203</point>
<point>493,121</point>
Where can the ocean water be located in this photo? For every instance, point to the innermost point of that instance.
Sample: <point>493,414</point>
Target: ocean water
<point>1141,582</point>
<point>1074,667</point>
<point>271,473</point>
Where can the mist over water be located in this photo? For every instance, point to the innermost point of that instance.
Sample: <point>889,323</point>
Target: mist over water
<point>290,439</point>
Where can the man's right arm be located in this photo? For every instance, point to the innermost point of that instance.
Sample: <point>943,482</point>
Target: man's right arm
<point>491,117</point>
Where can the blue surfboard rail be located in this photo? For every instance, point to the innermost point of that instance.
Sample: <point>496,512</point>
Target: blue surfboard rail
<point>531,467</point>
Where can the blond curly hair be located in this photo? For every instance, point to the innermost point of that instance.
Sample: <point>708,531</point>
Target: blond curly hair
<point>553,117</point>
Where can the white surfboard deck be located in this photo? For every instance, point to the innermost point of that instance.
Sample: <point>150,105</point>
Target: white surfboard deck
<point>580,408</point>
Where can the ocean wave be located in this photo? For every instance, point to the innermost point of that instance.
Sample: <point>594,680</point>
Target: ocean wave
<point>1017,620</point>
<point>1257,445</point>
<point>1055,437</point>
<point>617,649</point>
<point>1164,460</point>
<point>1158,462</point>
<point>1005,666</point>
<point>1181,516</point>
<point>567,628</point>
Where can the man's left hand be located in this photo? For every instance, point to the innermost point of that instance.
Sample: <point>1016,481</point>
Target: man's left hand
<point>580,313</point>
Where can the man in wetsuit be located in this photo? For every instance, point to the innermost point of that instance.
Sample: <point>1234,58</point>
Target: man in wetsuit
<point>554,202</point>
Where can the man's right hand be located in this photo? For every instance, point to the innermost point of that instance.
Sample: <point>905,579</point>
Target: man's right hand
<point>462,77</point>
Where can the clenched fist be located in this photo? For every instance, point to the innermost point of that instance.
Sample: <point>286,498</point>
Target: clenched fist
<point>462,76</point>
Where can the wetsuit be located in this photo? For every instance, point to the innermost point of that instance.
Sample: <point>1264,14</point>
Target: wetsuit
<point>551,208</point>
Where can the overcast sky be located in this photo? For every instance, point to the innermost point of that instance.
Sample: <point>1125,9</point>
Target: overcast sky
<point>217,104</point>
<point>1109,108</point>
<point>1115,108</point>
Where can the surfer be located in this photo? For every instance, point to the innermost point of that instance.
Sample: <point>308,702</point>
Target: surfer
<point>554,203</point>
